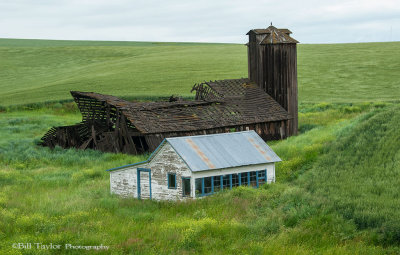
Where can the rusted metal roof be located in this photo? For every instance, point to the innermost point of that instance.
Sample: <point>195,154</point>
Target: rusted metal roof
<point>217,151</point>
<point>226,150</point>
<point>226,103</point>
<point>274,35</point>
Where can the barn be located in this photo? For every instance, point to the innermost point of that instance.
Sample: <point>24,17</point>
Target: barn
<point>196,166</point>
<point>265,102</point>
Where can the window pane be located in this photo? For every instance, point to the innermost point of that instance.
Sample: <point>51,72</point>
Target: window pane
<point>253,179</point>
<point>186,186</point>
<point>244,178</point>
<point>217,183</point>
<point>198,185</point>
<point>171,181</point>
<point>207,185</point>
<point>226,184</point>
<point>261,177</point>
<point>235,180</point>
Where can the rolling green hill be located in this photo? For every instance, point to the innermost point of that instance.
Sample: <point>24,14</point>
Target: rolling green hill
<point>336,193</point>
<point>41,70</point>
<point>336,189</point>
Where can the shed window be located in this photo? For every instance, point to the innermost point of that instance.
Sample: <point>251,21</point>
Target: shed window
<point>235,180</point>
<point>262,177</point>
<point>199,186</point>
<point>226,182</point>
<point>217,183</point>
<point>244,177</point>
<point>171,181</point>
<point>207,185</point>
<point>253,179</point>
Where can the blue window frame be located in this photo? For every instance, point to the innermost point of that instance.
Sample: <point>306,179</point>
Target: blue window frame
<point>244,179</point>
<point>253,179</point>
<point>217,183</point>
<point>171,180</point>
<point>209,185</point>
<point>226,182</point>
<point>235,180</point>
<point>262,177</point>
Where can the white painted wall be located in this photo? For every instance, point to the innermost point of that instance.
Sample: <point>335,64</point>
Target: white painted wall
<point>124,182</point>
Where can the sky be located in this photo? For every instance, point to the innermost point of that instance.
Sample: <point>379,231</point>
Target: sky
<point>311,21</point>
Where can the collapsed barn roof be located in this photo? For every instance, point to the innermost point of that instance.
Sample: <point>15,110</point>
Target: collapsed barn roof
<point>220,103</point>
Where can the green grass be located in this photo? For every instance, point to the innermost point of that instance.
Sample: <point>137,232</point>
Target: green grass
<point>335,192</point>
<point>33,71</point>
<point>41,73</point>
<point>356,72</point>
<point>337,186</point>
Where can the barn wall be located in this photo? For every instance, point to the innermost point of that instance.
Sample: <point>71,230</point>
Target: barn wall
<point>124,182</point>
<point>278,77</point>
<point>273,130</point>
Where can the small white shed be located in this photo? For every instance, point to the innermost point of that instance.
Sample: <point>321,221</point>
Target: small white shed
<point>197,166</point>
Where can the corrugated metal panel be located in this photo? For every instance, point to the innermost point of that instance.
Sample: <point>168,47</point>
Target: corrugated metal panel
<point>226,150</point>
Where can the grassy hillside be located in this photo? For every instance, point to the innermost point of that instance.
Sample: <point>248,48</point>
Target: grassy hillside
<point>336,192</point>
<point>43,72</point>
<point>40,70</point>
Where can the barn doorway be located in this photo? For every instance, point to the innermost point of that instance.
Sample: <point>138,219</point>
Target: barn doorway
<point>144,183</point>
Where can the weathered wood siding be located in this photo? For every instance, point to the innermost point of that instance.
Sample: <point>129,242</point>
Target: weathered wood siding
<point>124,182</point>
<point>279,78</point>
<point>274,130</point>
<point>274,68</point>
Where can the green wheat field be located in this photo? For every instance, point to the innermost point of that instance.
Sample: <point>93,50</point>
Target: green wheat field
<point>337,188</point>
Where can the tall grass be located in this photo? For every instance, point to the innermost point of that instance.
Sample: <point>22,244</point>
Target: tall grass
<point>62,196</point>
<point>359,175</point>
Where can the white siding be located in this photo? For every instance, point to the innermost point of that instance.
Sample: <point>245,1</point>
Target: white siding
<point>124,182</point>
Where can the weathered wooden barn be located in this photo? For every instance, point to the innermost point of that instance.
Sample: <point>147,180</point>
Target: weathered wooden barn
<point>265,102</point>
<point>197,166</point>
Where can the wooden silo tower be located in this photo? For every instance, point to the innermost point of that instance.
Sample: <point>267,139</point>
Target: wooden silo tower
<point>272,64</point>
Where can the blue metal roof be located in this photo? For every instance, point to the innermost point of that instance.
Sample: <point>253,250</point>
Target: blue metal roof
<point>206,152</point>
